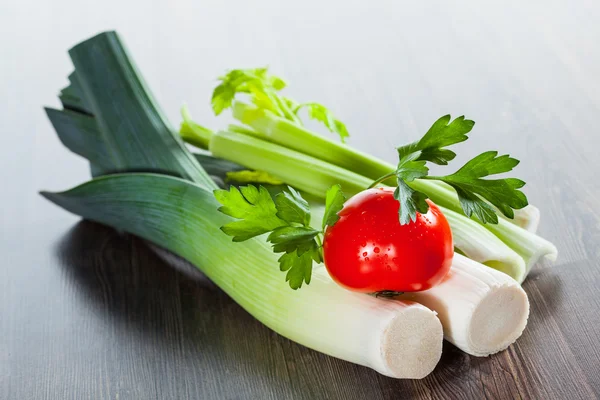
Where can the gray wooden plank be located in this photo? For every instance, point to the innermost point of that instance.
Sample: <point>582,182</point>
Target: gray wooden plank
<point>86,313</point>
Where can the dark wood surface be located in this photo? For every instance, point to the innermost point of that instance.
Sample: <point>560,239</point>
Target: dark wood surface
<point>86,313</point>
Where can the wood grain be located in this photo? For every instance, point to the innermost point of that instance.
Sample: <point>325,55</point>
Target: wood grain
<point>88,313</point>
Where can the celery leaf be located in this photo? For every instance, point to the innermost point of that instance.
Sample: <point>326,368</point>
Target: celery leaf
<point>320,113</point>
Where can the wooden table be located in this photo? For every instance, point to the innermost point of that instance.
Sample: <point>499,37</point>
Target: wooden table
<point>88,313</point>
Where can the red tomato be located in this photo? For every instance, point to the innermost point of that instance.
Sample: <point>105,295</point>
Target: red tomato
<point>368,250</point>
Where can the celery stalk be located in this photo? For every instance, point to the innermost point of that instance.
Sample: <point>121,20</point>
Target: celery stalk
<point>304,172</point>
<point>268,126</point>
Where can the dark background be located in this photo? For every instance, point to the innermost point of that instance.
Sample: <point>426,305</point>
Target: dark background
<point>88,314</point>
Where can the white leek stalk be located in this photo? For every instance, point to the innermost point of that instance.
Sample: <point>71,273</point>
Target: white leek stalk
<point>483,311</point>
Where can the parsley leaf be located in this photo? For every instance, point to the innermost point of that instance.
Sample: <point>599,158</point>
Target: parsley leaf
<point>502,193</point>
<point>441,134</point>
<point>292,207</point>
<point>334,201</point>
<point>477,196</point>
<point>286,217</point>
<point>292,235</point>
<point>253,207</point>
<point>298,267</point>
<point>290,247</point>
<point>411,201</point>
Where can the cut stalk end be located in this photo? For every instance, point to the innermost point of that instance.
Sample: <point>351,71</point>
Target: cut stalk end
<point>509,306</point>
<point>411,344</point>
<point>483,311</point>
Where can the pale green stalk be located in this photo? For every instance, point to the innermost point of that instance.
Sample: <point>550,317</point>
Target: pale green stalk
<point>296,169</point>
<point>270,127</point>
<point>193,133</point>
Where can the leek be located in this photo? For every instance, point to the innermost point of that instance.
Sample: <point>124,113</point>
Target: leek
<point>396,338</point>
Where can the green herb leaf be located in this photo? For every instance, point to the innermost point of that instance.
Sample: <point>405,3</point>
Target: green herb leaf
<point>320,113</point>
<point>254,81</point>
<point>477,196</point>
<point>442,133</point>
<point>263,90</point>
<point>292,207</point>
<point>253,207</point>
<point>286,217</point>
<point>299,247</point>
<point>502,193</point>
<point>411,168</point>
<point>411,202</point>
<point>299,268</point>
<point>334,202</point>
<point>292,234</point>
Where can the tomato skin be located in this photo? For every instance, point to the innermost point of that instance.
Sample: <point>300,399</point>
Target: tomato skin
<point>368,250</point>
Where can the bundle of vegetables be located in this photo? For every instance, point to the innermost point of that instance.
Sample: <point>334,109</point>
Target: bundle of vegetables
<point>483,319</point>
<point>381,240</point>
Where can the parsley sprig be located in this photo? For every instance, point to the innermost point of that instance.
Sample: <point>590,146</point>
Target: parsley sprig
<point>477,196</point>
<point>286,218</point>
<point>264,92</point>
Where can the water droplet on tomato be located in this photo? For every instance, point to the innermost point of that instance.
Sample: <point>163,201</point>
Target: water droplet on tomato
<point>365,254</point>
<point>376,249</point>
<point>366,258</point>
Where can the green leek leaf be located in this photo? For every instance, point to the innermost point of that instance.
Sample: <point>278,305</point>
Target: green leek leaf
<point>134,129</point>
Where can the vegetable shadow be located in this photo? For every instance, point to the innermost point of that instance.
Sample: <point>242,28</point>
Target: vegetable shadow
<point>184,319</point>
<point>194,327</point>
